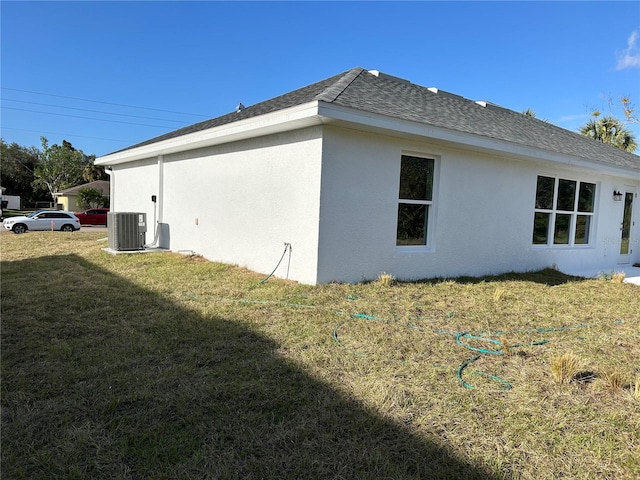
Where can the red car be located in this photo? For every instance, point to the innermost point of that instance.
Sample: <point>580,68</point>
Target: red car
<point>93,216</point>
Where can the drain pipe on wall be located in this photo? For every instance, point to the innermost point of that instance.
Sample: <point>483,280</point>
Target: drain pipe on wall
<point>158,204</point>
<point>112,185</point>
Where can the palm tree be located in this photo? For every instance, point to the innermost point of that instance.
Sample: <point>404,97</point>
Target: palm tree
<point>92,172</point>
<point>529,112</point>
<point>611,131</point>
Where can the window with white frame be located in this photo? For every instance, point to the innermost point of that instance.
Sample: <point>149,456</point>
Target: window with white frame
<point>415,200</point>
<point>564,212</point>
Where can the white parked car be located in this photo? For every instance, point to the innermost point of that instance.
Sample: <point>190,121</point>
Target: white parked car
<point>43,220</point>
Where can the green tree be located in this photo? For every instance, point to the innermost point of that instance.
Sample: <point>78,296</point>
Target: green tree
<point>59,167</point>
<point>93,172</point>
<point>609,130</point>
<point>17,166</point>
<point>91,198</point>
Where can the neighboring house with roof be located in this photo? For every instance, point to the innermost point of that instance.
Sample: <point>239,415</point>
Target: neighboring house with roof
<point>364,173</point>
<point>68,199</point>
<point>11,202</point>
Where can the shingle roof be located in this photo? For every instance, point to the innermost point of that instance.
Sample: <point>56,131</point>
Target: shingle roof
<point>385,95</point>
<point>320,90</point>
<point>102,185</point>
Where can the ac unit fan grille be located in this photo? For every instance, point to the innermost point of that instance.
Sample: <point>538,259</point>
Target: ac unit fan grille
<point>126,230</point>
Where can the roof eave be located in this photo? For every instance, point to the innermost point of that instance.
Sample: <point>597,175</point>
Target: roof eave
<point>318,112</point>
<point>376,123</point>
<point>292,118</point>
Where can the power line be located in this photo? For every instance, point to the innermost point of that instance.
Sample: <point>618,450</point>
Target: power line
<point>86,118</point>
<point>69,135</point>
<point>93,111</point>
<point>104,103</point>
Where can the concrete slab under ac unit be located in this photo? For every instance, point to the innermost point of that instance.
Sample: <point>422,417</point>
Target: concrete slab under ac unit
<point>144,250</point>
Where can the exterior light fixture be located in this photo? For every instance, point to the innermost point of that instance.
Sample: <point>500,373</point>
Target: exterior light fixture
<point>617,196</point>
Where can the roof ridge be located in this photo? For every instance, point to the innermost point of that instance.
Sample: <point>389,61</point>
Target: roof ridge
<point>333,91</point>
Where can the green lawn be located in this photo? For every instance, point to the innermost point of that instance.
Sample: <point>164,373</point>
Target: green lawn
<point>163,366</point>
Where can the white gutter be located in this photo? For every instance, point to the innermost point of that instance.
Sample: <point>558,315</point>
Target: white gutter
<point>398,127</point>
<point>296,117</point>
<point>316,113</point>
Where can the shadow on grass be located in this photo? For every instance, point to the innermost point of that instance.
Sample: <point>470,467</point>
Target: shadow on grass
<point>548,276</point>
<point>104,379</point>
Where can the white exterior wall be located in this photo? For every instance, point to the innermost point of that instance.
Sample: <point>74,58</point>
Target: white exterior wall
<point>236,203</point>
<point>132,185</point>
<point>332,193</point>
<point>604,251</point>
<point>483,213</point>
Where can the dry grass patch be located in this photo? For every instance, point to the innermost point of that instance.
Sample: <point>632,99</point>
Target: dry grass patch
<point>614,378</point>
<point>615,277</point>
<point>386,279</point>
<point>565,367</point>
<point>166,366</point>
<point>618,277</point>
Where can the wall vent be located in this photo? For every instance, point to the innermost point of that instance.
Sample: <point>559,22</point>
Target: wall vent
<point>126,230</point>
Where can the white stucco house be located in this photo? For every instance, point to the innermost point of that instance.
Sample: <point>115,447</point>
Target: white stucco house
<point>364,173</point>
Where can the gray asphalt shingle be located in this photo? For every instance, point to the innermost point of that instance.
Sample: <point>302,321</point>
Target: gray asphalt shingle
<point>381,94</point>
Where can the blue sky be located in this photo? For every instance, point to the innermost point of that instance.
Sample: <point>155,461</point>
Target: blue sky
<point>68,67</point>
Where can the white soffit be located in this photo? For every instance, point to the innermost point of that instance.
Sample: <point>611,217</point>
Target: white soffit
<point>287,119</point>
<point>376,123</point>
<point>316,113</point>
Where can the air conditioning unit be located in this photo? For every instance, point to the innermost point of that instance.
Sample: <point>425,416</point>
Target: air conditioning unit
<point>126,230</point>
